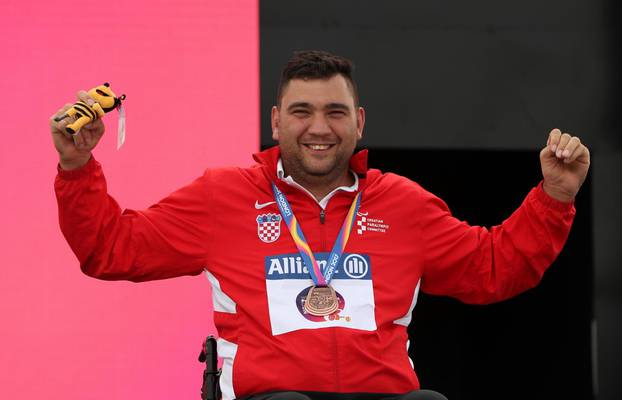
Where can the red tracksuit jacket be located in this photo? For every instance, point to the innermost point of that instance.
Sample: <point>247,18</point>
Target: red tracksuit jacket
<point>404,240</point>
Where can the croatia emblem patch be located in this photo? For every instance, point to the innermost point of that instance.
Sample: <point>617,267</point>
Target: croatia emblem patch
<point>269,227</point>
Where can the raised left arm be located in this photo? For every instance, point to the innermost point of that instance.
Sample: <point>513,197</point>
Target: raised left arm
<point>479,265</point>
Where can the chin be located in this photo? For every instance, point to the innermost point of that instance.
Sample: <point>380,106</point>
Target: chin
<point>316,172</point>
<point>318,169</point>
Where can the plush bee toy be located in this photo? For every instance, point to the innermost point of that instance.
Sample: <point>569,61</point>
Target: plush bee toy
<point>105,101</point>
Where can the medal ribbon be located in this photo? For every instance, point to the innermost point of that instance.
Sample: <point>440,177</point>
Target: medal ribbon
<point>318,278</point>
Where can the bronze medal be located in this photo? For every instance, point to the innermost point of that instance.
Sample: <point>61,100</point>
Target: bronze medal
<point>321,301</point>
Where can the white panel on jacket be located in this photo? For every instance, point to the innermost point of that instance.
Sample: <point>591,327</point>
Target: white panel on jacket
<point>222,302</point>
<point>405,320</point>
<point>226,351</point>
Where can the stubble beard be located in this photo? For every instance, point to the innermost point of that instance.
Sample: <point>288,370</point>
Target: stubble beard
<point>305,173</point>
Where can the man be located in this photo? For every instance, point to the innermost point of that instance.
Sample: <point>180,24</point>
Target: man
<point>316,291</point>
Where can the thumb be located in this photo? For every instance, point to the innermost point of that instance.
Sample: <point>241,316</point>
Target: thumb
<point>546,154</point>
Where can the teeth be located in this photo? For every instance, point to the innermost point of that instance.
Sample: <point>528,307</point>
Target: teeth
<point>319,146</point>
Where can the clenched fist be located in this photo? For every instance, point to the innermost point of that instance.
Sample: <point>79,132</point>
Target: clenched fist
<point>565,162</point>
<point>75,150</point>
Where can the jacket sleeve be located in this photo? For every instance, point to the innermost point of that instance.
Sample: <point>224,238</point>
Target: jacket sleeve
<point>479,266</point>
<point>166,240</point>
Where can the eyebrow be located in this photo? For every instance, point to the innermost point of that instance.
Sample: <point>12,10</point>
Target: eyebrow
<point>297,104</point>
<point>337,106</point>
<point>329,106</point>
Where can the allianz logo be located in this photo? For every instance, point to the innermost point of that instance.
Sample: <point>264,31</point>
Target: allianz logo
<point>353,265</point>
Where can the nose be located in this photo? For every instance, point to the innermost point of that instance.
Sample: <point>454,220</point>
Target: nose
<point>319,125</point>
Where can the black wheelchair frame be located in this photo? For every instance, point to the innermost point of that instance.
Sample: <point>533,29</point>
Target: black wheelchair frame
<point>210,390</point>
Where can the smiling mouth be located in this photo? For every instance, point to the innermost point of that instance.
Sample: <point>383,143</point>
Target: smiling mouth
<point>319,147</point>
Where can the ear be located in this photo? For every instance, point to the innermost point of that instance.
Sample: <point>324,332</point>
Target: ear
<point>360,122</point>
<point>274,119</point>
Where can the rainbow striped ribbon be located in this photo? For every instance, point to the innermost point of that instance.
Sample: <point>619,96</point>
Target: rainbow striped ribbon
<point>319,278</point>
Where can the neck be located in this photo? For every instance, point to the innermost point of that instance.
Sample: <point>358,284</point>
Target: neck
<point>320,185</point>
<point>319,189</point>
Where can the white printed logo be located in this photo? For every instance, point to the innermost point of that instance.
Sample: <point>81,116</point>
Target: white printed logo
<point>262,205</point>
<point>355,266</point>
<point>366,224</point>
<point>269,227</point>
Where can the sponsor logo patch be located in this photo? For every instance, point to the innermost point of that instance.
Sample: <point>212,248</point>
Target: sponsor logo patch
<point>269,227</point>
<point>355,266</point>
<point>288,283</point>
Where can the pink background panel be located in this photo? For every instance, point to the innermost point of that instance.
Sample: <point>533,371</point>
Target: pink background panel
<point>190,72</point>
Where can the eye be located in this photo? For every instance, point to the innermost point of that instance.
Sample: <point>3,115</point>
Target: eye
<point>101,93</point>
<point>300,112</point>
<point>337,113</point>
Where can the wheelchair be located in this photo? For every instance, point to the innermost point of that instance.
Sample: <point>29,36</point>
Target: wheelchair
<point>210,390</point>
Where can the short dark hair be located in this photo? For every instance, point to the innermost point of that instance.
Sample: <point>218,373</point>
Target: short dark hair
<point>317,64</point>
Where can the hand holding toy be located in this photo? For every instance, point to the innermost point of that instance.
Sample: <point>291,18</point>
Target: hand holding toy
<point>104,101</point>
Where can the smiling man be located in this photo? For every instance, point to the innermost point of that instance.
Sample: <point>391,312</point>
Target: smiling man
<point>313,298</point>
<point>317,123</point>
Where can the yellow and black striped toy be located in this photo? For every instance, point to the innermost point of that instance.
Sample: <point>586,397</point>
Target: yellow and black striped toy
<point>105,101</point>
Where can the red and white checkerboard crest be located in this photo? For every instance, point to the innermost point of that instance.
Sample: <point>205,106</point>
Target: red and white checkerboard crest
<point>269,227</point>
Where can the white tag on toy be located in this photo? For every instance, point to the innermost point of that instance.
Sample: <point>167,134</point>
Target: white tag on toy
<point>121,130</point>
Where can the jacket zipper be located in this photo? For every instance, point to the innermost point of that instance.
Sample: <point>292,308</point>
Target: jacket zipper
<point>323,230</point>
<point>335,354</point>
<point>333,334</point>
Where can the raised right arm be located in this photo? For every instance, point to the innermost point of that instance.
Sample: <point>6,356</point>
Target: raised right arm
<point>166,240</point>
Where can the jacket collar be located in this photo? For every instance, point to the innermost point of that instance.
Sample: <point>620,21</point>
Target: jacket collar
<point>270,157</point>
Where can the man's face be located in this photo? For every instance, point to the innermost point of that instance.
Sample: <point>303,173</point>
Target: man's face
<point>317,126</point>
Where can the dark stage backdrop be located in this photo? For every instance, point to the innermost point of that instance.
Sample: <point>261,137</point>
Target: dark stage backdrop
<point>535,346</point>
<point>457,74</point>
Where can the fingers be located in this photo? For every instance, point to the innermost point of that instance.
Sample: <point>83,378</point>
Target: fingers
<point>97,127</point>
<point>79,141</point>
<point>553,141</point>
<point>553,138</point>
<point>561,146</point>
<point>59,126</point>
<point>84,96</point>
<point>581,154</point>
<point>88,137</point>
<point>564,146</point>
<point>60,112</point>
<point>572,149</point>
